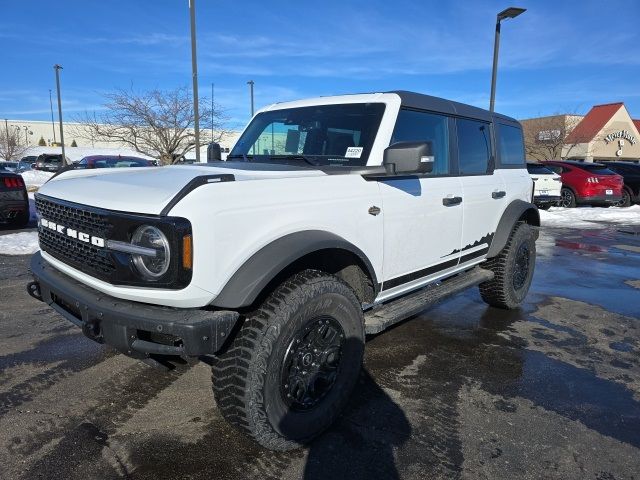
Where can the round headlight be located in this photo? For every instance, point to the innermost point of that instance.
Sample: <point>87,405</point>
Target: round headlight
<point>151,266</point>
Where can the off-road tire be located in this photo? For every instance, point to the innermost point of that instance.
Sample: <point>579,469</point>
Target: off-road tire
<point>501,292</point>
<point>248,378</point>
<point>568,198</point>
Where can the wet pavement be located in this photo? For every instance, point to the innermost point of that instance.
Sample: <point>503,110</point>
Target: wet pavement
<point>461,391</point>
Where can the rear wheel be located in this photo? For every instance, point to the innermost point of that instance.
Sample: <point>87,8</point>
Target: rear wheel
<point>290,370</point>
<point>626,199</point>
<point>513,269</point>
<point>568,199</point>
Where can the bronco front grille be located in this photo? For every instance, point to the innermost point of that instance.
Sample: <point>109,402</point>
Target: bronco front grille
<point>83,256</point>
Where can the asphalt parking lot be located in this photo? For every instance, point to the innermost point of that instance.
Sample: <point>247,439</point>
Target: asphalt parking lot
<point>460,391</point>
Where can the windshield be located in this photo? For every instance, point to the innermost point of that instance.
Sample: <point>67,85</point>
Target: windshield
<point>335,135</point>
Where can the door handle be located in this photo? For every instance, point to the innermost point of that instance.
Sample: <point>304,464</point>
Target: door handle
<point>450,201</point>
<point>499,194</point>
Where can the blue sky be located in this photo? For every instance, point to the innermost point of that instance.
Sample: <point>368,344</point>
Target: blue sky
<point>560,56</point>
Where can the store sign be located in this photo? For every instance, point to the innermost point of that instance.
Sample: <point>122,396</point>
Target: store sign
<point>621,134</point>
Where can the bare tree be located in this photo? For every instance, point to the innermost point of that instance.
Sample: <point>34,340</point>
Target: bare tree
<point>156,123</point>
<point>546,138</point>
<point>12,145</point>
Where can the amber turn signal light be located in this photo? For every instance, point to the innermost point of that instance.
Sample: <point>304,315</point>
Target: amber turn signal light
<point>187,252</point>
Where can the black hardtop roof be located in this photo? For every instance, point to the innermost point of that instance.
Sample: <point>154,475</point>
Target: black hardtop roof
<point>427,102</point>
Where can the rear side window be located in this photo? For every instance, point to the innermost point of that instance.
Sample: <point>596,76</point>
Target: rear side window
<point>413,126</point>
<point>474,146</point>
<point>511,145</point>
<point>539,169</point>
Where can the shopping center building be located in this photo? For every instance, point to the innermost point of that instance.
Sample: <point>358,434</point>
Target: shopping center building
<point>606,133</point>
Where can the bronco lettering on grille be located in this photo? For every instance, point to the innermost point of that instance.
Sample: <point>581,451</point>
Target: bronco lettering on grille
<point>70,232</point>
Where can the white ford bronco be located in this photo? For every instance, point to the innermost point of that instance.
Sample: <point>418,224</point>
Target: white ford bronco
<point>331,219</point>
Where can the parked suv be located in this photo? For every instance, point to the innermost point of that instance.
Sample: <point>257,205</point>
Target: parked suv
<point>333,218</point>
<point>112,161</point>
<point>586,183</point>
<point>49,162</point>
<point>630,173</point>
<point>547,186</point>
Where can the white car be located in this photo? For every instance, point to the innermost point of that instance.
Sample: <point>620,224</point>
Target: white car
<point>333,217</point>
<point>547,186</point>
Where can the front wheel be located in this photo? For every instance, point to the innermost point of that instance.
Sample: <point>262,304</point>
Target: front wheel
<point>291,368</point>
<point>513,269</point>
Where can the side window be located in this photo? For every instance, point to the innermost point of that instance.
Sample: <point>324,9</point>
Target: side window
<point>474,146</point>
<point>413,126</point>
<point>557,169</point>
<point>511,145</point>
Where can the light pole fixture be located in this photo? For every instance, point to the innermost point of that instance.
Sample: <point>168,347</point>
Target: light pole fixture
<point>194,71</point>
<point>511,12</point>
<point>53,124</point>
<point>57,69</point>
<point>251,83</point>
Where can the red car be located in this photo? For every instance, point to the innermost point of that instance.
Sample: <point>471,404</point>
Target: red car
<point>586,183</point>
<point>113,161</point>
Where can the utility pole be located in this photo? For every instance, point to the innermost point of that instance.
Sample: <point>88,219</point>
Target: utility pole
<point>57,68</point>
<point>194,69</point>
<point>53,124</point>
<point>251,83</point>
<point>212,97</point>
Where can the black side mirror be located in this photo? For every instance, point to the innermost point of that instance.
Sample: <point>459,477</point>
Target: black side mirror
<point>213,152</point>
<point>402,158</point>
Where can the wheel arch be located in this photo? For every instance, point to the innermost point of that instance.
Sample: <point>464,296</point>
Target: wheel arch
<point>517,211</point>
<point>310,249</point>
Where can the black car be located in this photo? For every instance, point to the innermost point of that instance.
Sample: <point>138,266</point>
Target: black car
<point>14,202</point>
<point>49,162</point>
<point>630,172</point>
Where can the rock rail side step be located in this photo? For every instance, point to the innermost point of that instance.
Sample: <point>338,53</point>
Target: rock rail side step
<point>382,317</point>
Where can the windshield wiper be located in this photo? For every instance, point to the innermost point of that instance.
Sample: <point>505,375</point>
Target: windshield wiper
<point>294,157</point>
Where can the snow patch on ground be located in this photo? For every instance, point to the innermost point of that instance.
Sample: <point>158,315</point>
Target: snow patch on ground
<point>23,243</point>
<point>586,217</point>
<point>35,178</point>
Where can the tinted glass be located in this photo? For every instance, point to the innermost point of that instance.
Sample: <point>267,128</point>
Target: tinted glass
<point>538,169</point>
<point>555,168</point>
<point>596,169</point>
<point>474,146</point>
<point>511,145</point>
<point>336,135</point>
<point>425,127</point>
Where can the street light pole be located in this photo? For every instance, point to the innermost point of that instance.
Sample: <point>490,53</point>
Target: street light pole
<point>57,68</point>
<point>194,70</point>
<point>53,124</point>
<point>251,83</point>
<point>511,12</point>
<point>212,97</point>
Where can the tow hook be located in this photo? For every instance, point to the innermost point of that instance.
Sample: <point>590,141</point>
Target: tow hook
<point>33,289</point>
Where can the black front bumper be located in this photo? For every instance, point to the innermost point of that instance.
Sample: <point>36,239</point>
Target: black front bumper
<point>136,329</point>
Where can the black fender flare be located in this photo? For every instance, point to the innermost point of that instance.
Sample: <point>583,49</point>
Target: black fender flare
<point>262,267</point>
<point>514,212</point>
